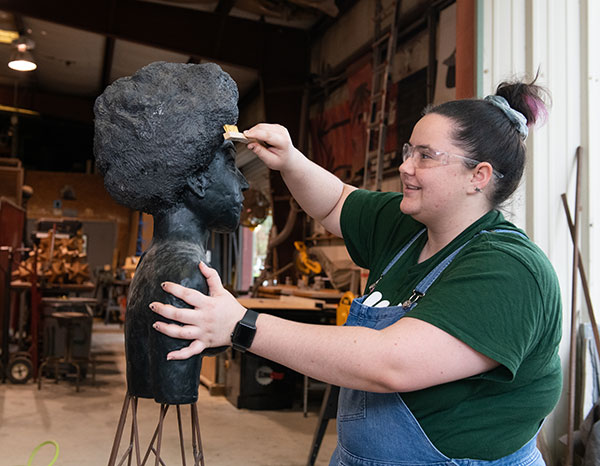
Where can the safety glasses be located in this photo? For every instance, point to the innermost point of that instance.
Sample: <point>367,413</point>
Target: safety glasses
<point>425,157</point>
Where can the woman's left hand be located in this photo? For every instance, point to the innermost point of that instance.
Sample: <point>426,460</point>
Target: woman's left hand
<point>210,321</point>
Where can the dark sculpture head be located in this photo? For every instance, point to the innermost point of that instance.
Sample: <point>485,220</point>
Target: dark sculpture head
<point>157,131</point>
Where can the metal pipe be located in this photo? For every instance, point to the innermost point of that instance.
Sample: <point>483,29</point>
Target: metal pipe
<point>573,336</point>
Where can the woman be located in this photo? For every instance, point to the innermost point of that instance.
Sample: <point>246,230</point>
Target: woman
<point>452,354</point>
<point>159,144</point>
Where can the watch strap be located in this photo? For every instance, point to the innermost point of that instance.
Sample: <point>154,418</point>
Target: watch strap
<point>249,318</point>
<point>244,331</point>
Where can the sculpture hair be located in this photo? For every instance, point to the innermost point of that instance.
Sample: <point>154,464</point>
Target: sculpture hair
<point>158,127</point>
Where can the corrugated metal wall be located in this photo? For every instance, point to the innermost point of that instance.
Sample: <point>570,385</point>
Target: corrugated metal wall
<point>516,38</point>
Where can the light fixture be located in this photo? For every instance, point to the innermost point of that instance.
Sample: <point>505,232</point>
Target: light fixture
<point>21,59</point>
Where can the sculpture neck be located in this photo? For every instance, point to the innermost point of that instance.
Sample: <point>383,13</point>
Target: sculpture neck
<point>180,224</point>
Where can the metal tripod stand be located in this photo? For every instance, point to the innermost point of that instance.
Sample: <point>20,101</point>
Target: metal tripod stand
<point>155,444</point>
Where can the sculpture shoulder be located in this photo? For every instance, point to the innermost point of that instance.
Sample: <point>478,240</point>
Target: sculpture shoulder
<point>176,262</point>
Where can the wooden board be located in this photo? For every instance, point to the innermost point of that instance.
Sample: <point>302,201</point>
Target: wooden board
<point>272,290</point>
<point>209,375</point>
<point>315,294</point>
<point>64,288</point>
<point>284,302</point>
<point>291,290</point>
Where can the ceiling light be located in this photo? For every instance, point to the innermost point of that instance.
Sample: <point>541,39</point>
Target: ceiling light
<point>21,59</point>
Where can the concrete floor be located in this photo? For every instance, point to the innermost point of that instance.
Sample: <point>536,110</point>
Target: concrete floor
<point>84,424</point>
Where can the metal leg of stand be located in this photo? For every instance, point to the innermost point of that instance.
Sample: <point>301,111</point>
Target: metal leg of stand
<point>159,426</point>
<point>134,438</point>
<point>119,433</point>
<point>163,412</point>
<point>179,427</point>
<point>305,396</point>
<point>328,411</point>
<point>196,439</point>
<point>155,444</point>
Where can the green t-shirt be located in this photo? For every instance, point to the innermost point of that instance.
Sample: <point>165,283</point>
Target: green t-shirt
<point>500,296</point>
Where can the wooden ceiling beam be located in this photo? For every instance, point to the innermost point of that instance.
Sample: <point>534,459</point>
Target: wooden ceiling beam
<point>224,7</point>
<point>246,43</point>
<point>56,105</point>
<point>107,61</point>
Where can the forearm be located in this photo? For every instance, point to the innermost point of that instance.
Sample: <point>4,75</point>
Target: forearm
<point>320,193</point>
<point>344,356</point>
<point>409,355</point>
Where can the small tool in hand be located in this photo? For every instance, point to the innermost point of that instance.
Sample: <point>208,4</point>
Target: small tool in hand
<point>232,134</point>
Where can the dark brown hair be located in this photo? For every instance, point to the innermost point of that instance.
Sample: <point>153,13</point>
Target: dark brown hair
<point>486,134</point>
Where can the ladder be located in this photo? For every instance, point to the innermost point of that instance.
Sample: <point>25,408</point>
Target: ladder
<point>384,49</point>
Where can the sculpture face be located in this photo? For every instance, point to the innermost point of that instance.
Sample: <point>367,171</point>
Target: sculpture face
<point>216,192</point>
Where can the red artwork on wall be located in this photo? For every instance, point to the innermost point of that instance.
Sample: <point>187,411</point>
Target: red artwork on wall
<point>338,132</point>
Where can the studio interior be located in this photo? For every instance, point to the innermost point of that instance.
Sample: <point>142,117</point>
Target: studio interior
<point>349,79</point>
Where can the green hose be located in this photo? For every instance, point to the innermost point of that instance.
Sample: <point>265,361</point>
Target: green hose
<point>36,449</point>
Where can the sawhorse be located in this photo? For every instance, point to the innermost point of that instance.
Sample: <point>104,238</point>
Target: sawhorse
<point>328,411</point>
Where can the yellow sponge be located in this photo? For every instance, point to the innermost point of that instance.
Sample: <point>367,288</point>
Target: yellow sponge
<point>232,134</point>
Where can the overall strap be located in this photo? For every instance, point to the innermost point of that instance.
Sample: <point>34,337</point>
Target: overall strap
<point>432,276</point>
<point>503,230</point>
<point>395,259</point>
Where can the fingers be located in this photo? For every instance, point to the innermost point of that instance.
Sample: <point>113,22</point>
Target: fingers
<point>196,347</point>
<point>271,160</point>
<point>184,332</point>
<point>278,144</point>
<point>279,153</point>
<point>274,135</point>
<point>185,316</point>
<point>215,287</point>
<point>189,295</point>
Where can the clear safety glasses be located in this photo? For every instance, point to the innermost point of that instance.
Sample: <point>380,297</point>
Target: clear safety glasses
<point>425,157</point>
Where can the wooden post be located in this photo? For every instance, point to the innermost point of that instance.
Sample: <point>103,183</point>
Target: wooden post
<point>584,281</point>
<point>465,49</point>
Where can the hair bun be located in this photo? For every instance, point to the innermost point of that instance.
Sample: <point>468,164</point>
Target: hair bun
<point>527,98</point>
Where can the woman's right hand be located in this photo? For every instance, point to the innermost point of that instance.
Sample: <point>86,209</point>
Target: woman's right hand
<point>209,320</point>
<point>320,193</point>
<point>279,152</point>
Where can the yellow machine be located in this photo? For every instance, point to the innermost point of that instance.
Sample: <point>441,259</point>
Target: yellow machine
<point>343,307</point>
<point>305,264</point>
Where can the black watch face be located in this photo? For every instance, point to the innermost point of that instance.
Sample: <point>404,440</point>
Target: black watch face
<point>243,336</point>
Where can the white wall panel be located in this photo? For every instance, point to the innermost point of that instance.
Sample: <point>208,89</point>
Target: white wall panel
<point>590,122</point>
<point>549,177</point>
<point>504,26</point>
<point>559,38</point>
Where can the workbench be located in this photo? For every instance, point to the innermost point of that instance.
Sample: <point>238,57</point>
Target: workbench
<point>254,382</point>
<point>324,294</point>
<point>56,288</point>
<point>297,308</point>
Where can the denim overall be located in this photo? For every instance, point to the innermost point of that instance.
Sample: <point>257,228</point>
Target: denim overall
<point>378,429</point>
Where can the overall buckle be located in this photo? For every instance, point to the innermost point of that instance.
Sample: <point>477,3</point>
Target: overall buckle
<point>416,295</point>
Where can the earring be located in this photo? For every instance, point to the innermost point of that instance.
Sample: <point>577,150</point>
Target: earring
<point>478,189</point>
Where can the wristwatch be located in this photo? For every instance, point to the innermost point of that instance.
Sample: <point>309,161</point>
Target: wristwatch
<point>244,331</point>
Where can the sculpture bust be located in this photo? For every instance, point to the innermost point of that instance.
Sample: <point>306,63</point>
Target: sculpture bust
<point>159,144</point>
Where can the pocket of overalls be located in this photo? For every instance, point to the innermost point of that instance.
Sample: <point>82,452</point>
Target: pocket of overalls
<point>351,404</point>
